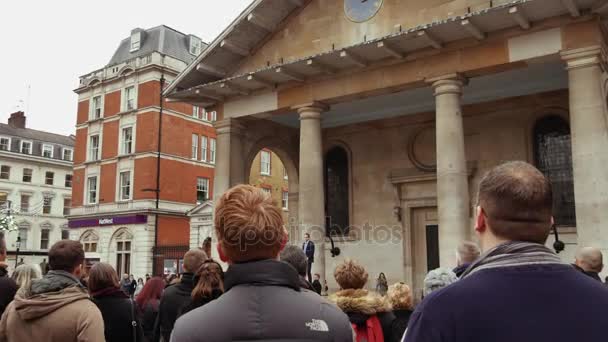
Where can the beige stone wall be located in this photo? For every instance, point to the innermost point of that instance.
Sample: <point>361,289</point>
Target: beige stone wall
<point>494,132</point>
<point>276,182</point>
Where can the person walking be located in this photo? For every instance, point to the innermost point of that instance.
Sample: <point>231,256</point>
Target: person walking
<point>309,249</point>
<point>590,262</point>
<point>117,309</point>
<point>381,284</point>
<point>400,297</point>
<point>466,253</point>
<point>24,275</point>
<point>515,290</point>
<point>263,300</point>
<point>148,303</point>
<point>8,287</point>
<point>370,315</point>
<point>177,296</point>
<point>55,308</point>
<point>209,286</point>
<point>296,258</point>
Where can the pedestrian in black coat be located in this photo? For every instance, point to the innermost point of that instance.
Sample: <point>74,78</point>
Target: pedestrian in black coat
<point>117,309</point>
<point>178,295</point>
<point>400,297</point>
<point>209,286</point>
<point>148,305</point>
<point>8,287</point>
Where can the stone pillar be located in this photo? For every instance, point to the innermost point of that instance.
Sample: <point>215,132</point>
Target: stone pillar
<point>589,132</point>
<point>311,202</point>
<point>229,168</point>
<point>452,182</point>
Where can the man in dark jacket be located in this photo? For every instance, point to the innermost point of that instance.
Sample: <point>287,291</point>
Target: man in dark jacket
<point>295,257</point>
<point>177,296</point>
<point>263,300</point>
<point>590,262</point>
<point>516,290</point>
<point>309,249</point>
<point>8,287</point>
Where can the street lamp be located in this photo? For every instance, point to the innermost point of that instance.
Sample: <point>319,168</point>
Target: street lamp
<point>558,245</point>
<point>18,245</point>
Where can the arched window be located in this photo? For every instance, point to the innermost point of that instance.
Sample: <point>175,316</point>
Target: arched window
<point>553,156</point>
<point>123,238</point>
<point>90,241</point>
<point>336,191</point>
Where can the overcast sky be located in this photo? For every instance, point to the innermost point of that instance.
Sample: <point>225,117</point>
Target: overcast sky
<point>47,45</point>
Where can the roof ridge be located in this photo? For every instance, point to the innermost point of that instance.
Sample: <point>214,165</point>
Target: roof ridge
<point>39,131</point>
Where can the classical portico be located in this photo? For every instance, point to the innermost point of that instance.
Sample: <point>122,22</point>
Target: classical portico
<point>387,126</point>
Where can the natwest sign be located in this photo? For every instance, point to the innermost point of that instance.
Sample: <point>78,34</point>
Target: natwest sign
<point>108,221</point>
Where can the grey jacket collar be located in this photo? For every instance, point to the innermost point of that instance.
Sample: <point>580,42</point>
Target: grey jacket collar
<point>54,281</point>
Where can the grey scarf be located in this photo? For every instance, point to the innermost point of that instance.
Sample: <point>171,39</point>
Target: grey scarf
<point>513,253</point>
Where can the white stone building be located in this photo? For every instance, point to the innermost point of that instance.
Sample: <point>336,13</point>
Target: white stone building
<point>35,187</point>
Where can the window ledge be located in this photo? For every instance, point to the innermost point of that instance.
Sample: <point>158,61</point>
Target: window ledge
<point>126,112</point>
<point>90,121</point>
<point>127,155</point>
<point>90,162</point>
<point>341,238</point>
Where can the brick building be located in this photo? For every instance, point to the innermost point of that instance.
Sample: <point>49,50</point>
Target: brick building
<point>136,176</point>
<point>269,174</point>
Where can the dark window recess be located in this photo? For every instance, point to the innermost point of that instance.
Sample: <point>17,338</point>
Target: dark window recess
<point>553,157</point>
<point>432,247</point>
<point>336,191</point>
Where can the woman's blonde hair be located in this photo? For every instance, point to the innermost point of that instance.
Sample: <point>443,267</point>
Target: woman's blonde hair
<point>23,276</point>
<point>400,296</point>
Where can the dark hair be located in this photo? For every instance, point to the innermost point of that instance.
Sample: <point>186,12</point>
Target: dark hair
<point>210,277</point>
<point>517,200</point>
<point>295,257</point>
<point>151,292</point>
<point>307,234</point>
<point>66,255</point>
<point>102,276</point>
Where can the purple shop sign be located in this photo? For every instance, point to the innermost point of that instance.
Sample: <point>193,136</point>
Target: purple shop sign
<point>108,221</point>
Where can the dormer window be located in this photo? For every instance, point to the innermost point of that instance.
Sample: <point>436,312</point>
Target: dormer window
<point>135,41</point>
<point>195,45</point>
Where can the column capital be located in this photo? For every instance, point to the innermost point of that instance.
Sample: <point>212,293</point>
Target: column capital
<point>227,126</point>
<point>311,110</point>
<point>584,57</point>
<point>448,84</point>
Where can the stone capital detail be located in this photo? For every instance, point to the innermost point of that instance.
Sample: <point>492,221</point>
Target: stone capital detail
<point>227,126</point>
<point>448,84</point>
<point>311,110</point>
<point>584,57</point>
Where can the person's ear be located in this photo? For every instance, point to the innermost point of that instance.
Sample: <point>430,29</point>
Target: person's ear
<point>220,252</point>
<point>284,240</point>
<point>480,220</point>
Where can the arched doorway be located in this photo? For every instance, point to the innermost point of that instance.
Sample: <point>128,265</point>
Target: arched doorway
<point>337,192</point>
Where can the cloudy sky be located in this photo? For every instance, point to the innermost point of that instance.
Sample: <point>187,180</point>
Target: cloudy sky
<point>47,45</point>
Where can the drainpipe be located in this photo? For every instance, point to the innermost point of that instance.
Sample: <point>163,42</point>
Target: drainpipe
<point>157,188</point>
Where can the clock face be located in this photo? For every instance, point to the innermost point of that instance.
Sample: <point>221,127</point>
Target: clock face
<point>361,10</point>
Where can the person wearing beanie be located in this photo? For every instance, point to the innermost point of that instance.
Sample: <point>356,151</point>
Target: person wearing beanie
<point>370,315</point>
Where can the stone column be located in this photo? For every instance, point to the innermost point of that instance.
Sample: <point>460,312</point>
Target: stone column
<point>589,132</point>
<point>229,168</point>
<point>311,202</point>
<point>452,182</point>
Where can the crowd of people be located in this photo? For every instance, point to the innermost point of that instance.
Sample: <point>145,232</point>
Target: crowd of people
<point>510,287</point>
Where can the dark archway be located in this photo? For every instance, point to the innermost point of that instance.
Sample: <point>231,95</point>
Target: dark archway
<point>553,156</point>
<point>337,191</point>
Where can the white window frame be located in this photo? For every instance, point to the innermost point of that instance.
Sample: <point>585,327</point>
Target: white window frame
<point>196,112</point>
<point>122,187</point>
<point>29,198</point>
<point>124,99</point>
<point>67,212</point>
<point>194,148</point>
<point>212,148</point>
<point>123,141</point>
<point>204,149</point>
<point>44,147</point>
<point>8,176</point>
<point>65,180</point>
<point>266,190</point>
<point>10,141</point>
<point>49,205</point>
<point>52,179</point>
<point>93,108</point>
<point>48,238</point>
<point>64,150</point>
<point>285,176</point>
<point>285,200</point>
<point>202,185</point>
<point>28,142</point>
<point>263,171</point>
<point>31,175</point>
<point>213,116</point>
<point>135,42</point>
<point>88,190</point>
<point>90,147</point>
<point>205,116</point>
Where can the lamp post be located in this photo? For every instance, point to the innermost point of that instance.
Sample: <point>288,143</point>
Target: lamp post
<point>18,245</point>
<point>558,245</point>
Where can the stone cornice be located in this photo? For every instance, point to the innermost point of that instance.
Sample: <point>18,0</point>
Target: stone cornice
<point>585,57</point>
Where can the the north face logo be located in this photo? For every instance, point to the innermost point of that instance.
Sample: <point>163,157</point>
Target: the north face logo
<point>318,325</point>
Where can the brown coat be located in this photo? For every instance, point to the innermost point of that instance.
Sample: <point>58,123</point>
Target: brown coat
<point>63,316</point>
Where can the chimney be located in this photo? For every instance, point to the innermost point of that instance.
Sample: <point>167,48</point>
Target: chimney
<point>17,120</point>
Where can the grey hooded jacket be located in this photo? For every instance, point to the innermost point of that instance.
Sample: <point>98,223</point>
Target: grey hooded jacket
<point>263,302</point>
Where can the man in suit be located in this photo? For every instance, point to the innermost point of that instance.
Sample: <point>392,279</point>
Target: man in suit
<point>309,249</point>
